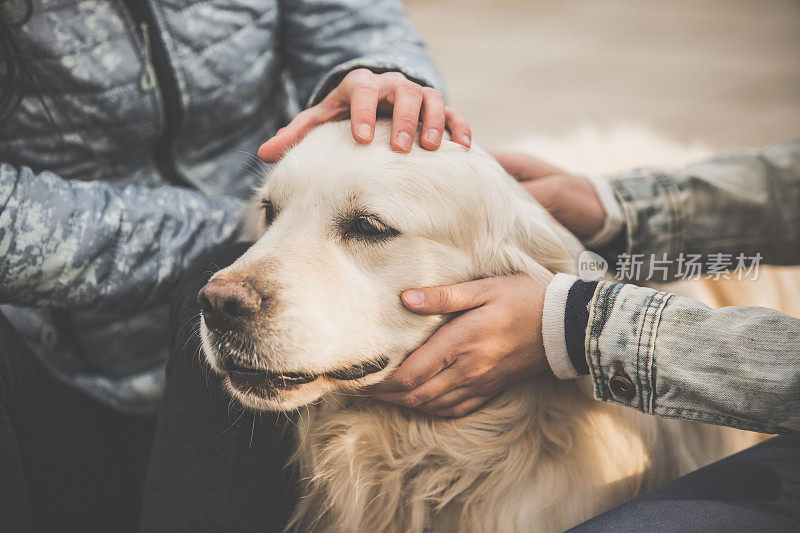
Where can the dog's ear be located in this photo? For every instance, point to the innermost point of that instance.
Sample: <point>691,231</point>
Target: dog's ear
<point>535,240</point>
<point>522,236</point>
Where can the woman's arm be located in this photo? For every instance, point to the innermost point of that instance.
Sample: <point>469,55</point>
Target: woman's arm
<point>656,352</point>
<point>745,202</point>
<point>74,244</point>
<point>672,356</point>
<point>323,40</point>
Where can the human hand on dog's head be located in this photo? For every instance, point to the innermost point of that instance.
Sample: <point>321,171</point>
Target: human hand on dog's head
<point>497,340</point>
<point>571,199</point>
<point>361,95</point>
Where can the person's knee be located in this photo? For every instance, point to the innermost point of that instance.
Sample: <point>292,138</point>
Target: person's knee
<point>11,352</point>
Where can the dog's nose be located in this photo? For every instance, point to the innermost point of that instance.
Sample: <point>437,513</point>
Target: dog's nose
<point>222,300</point>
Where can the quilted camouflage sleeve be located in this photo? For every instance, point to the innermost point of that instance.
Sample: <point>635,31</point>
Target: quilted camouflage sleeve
<point>323,40</point>
<point>88,245</point>
<point>740,203</point>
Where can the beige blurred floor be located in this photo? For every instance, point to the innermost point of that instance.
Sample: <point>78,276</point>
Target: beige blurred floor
<point>724,72</point>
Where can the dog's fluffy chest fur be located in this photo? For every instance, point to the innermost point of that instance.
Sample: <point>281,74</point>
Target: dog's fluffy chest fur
<point>541,457</point>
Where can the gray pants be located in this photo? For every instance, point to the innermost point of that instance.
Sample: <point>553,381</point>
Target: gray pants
<point>755,490</point>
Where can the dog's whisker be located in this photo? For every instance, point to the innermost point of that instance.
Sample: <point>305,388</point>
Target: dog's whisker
<point>253,172</point>
<point>235,421</point>
<point>289,419</point>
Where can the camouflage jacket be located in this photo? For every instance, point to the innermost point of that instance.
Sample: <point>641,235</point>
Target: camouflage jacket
<point>172,97</point>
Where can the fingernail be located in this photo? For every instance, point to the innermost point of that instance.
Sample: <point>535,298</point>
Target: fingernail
<point>434,136</point>
<point>466,140</point>
<point>403,140</point>
<point>414,297</point>
<point>364,131</point>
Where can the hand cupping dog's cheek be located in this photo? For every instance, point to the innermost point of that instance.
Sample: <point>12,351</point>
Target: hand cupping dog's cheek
<point>494,342</point>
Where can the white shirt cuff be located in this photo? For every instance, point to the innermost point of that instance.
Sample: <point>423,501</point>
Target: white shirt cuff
<point>614,218</point>
<point>553,335</point>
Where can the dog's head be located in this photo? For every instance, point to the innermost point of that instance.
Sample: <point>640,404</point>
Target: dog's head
<point>342,229</point>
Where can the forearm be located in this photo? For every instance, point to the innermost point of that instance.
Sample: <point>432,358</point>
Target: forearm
<point>73,244</point>
<point>325,40</point>
<point>740,204</point>
<point>671,356</point>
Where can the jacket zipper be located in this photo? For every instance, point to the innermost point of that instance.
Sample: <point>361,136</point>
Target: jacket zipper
<point>158,73</point>
<point>147,81</point>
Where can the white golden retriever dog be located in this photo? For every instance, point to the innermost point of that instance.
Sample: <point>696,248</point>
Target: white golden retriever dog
<point>311,313</point>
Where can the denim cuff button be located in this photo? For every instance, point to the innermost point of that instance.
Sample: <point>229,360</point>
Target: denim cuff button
<point>622,387</point>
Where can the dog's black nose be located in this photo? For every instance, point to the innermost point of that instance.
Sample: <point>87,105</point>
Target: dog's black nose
<point>224,300</point>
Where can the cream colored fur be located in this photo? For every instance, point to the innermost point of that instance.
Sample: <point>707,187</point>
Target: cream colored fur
<point>542,456</point>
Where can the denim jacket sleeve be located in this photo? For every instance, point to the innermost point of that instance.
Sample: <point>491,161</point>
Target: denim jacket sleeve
<point>86,244</point>
<point>745,202</point>
<point>672,356</point>
<point>323,40</point>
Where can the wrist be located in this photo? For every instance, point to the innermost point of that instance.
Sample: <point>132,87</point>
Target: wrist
<point>565,315</point>
<point>614,218</point>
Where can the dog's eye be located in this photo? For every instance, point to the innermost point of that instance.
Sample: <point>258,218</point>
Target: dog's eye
<point>269,212</point>
<point>369,227</point>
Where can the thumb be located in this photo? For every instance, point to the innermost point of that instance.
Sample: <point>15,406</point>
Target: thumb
<point>288,136</point>
<point>446,298</point>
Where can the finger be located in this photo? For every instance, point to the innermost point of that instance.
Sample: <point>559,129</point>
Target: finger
<point>438,352</point>
<point>432,118</point>
<point>450,399</point>
<point>525,167</point>
<point>405,116</point>
<point>448,298</point>
<point>362,90</point>
<point>464,408</point>
<point>458,127</point>
<point>275,148</point>
<point>443,382</point>
<point>388,83</point>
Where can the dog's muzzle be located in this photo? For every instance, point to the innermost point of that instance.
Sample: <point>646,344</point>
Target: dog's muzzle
<point>226,305</point>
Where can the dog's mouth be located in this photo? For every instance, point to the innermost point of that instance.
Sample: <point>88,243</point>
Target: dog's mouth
<point>250,379</point>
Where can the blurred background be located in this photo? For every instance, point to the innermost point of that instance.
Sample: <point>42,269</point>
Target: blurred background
<point>655,82</point>
<point>722,72</point>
